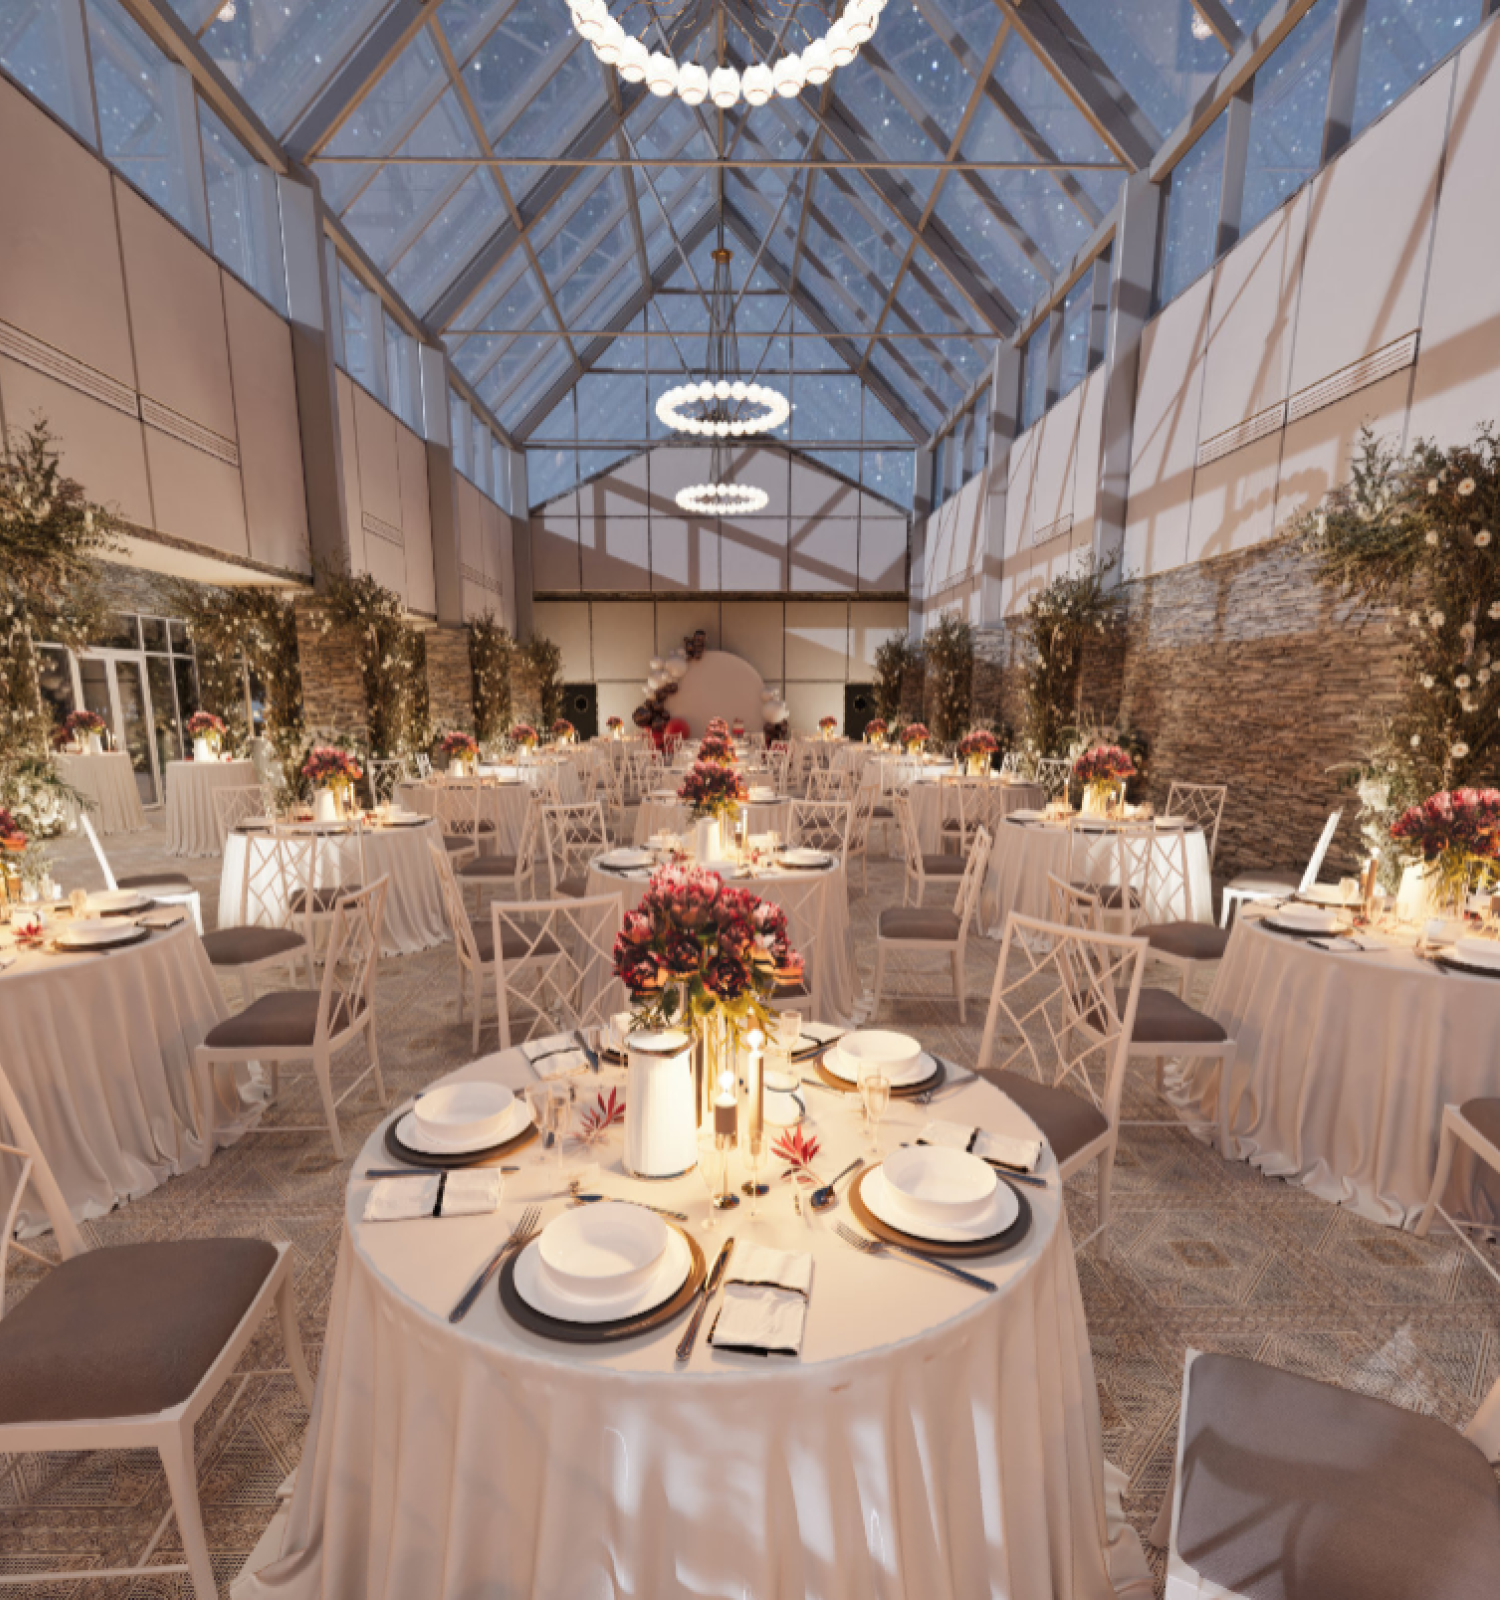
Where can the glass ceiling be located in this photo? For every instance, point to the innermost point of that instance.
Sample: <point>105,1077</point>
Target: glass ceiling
<point>546,218</point>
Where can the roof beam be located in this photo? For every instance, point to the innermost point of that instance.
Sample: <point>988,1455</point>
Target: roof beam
<point>749,163</point>
<point>1220,23</point>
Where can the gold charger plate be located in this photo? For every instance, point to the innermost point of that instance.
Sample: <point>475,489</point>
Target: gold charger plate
<point>905,1092</point>
<point>1007,1239</point>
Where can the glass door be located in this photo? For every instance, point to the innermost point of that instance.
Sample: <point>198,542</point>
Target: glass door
<point>114,683</point>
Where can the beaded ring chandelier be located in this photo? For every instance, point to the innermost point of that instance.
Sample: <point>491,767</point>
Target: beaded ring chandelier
<point>827,41</point>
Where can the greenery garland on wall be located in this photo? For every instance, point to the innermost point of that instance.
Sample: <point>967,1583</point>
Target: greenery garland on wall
<point>491,650</point>
<point>1058,620</point>
<point>543,662</point>
<point>948,651</point>
<point>392,659</point>
<point>896,661</point>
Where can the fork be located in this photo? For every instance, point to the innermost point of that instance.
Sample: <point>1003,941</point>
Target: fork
<point>878,1247</point>
<point>522,1234</point>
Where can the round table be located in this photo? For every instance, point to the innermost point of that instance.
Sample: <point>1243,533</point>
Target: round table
<point>192,822</point>
<point>565,767</point>
<point>665,813</point>
<point>414,917</point>
<point>1343,1065</point>
<point>931,1439</point>
<point>108,780</point>
<point>933,802</point>
<point>99,1049</point>
<point>1025,853</point>
<point>503,802</point>
<point>816,903</point>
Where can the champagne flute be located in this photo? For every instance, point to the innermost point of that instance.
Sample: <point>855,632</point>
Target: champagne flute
<point>788,1032</point>
<point>78,901</point>
<point>754,1150</point>
<point>875,1091</point>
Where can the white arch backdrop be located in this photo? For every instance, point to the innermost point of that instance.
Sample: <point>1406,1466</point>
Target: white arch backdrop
<point>719,684</point>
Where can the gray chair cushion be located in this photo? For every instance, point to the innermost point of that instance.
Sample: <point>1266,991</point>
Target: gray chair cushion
<point>882,813</point>
<point>324,899</point>
<point>917,922</point>
<point>1484,1117</point>
<point>238,947</point>
<point>943,866</point>
<point>1295,1490</point>
<point>156,882</point>
<point>1189,941</point>
<point>126,1331</point>
<point>282,1020</point>
<point>513,942</point>
<point>1161,1018</point>
<point>1067,1120</point>
<point>469,826</point>
<point>575,887</point>
<point>489,867</point>
<point>1266,882</point>
<point>454,845</point>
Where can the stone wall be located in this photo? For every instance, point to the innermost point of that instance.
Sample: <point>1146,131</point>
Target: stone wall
<point>333,692</point>
<point>1243,670</point>
<point>450,680</point>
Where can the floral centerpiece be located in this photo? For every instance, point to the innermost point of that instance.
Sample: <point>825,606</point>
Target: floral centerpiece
<point>208,733</point>
<point>977,748</point>
<point>828,726</point>
<point>1457,834</point>
<point>1102,771</point>
<point>616,727</point>
<point>11,837</point>
<point>713,795</point>
<point>717,728</point>
<point>333,774</point>
<point>564,731</point>
<point>82,728</point>
<point>716,749</point>
<point>460,748</point>
<point>915,736</point>
<point>524,735</point>
<point>875,730</point>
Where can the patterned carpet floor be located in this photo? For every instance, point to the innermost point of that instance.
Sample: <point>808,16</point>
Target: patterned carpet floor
<point>1204,1254</point>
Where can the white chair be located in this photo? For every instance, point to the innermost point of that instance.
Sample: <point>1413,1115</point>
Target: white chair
<point>1290,1488</point>
<point>1180,942</point>
<point>1011,762</point>
<point>170,888</point>
<point>456,806</point>
<point>383,776</point>
<point>126,1347</point>
<point>1203,806</point>
<point>514,872</point>
<point>1278,885</point>
<point>1475,1123</point>
<point>573,836</point>
<point>820,825</point>
<point>824,783</point>
<point>1122,891</point>
<point>1050,975</point>
<point>471,940</point>
<point>554,963</point>
<point>913,930</point>
<point>1055,774</point>
<point>424,764</point>
<point>920,865</point>
<point>243,802</point>
<point>857,845</point>
<point>261,939</point>
<point>294,1025</point>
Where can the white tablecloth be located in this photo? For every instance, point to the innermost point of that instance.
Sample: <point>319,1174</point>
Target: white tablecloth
<point>1343,1067</point>
<point>502,802</point>
<point>192,822</point>
<point>1025,853</point>
<point>931,1441</point>
<point>657,814</point>
<point>99,1049</point>
<point>817,913</point>
<point>414,918</point>
<point>565,767</point>
<point>933,802</point>
<point>109,781</point>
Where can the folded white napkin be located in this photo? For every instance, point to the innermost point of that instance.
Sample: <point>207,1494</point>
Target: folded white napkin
<point>820,1033</point>
<point>1022,1154</point>
<point>1351,941</point>
<point>167,917</point>
<point>765,1302</point>
<point>442,1194</point>
<point>557,1056</point>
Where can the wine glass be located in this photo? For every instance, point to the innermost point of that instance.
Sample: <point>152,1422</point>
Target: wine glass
<point>79,902</point>
<point>754,1152</point>
<point>788,1032</point>
<point>713,1168</point>
<point>875,1091</point>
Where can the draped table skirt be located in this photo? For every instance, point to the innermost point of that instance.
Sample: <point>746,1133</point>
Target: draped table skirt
<point>933,802</point>
<point>192,822</point>
<point>109,782</point>
<point>502,803</point>
<point>1344,1064</point>
<point>99,1049</point>
<point>931,1441</point>
<point>414,917</point>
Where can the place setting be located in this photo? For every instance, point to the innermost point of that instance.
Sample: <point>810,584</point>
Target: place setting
<point>460,1125</point>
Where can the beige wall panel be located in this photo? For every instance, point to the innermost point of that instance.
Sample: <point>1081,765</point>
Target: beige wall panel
<point>385,561</point>
<point>554,555</point>
<point>60,277</point>
<point>1316,451</point>
<point>1057,459</point>
<point>265,403</point>
<point>623,631</point>
<point>882,552</point>
<point>676,619</point>
<point>1165,437</point>
<point>470,529</point>
<point>941,526</point>
<point>349,451</point>
<point>621,492</point>
<point>1234,500</point>
<point>619,700</point>
<point>567,624</point>
<point>819,494</point>
<point>684,554</point>
<point>1369,229</point>
<point>824,555</point>
<point>1252,319</point>
<point>808,703</point>
<point>871,623</point>
<point>379,473</point>
<point>674,469</point>
<point>969,530</point>
<point>770,470</point>
<point>755,629</point>
<point>817,639</point>
<point>99,446</point>
<point>176,316</point>
<point>416,522</point>
<point>752,555</point>
<point>197,496</point>
<point>1086,473</point>
<point>616,554</point>
<point>1020,497</point>
<point>1458,365</point>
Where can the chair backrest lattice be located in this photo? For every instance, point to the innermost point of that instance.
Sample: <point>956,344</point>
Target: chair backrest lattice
<point>454,908</point>
<point>1054,774</point>
<point>383,776</point>
<point>456,805</point>
<point>824,783</point>
<point>574,835</point>
<point>971,885</point>
<point>235,804</point>
<point>98,849</point>
<point>554,963</point>
<point>911,841</point>
<point>820,825</point>
<point>23,1165</point>
<point>352,959</point>
<point>1203,806</point>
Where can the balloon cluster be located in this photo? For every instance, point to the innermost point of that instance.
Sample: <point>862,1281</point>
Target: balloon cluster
<point>774,716</point>
<point>664,678</point>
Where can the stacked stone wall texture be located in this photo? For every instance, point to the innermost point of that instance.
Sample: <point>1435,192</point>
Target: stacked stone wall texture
<point>450,679</point>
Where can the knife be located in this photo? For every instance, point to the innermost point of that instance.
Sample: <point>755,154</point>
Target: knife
<point>426,1172</point>
<point>591,1056</point>
<point>710,1288</point>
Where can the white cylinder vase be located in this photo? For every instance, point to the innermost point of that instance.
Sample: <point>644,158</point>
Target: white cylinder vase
<point>325,806</point>
<point>661,1110</point>
<point>202,750</point>
<point>95,745</point>
<point>708,839</point>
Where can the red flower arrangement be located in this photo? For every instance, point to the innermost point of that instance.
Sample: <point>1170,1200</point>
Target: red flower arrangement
<point>77,722</point>
<point>1105,763</point>
<point>978,743</point>
<point>693,947</point>
<point>563,730</point>
<point>202,725</point>
<point>328,767</point>
<point>523,734</point>
<point>459,744</point>
<point>615,722</point>
<point>715,748</point>
<point>915,733</point>
<point>828,724</point>
<point>11,837</point>
<point>876,728</point>
<point>1462,820</point>
<point>711,790</point>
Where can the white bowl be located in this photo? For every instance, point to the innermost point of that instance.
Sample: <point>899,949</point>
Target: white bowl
<point>1306,919</point>
<point>1478,952</point>
<point>118,900</point>
<point>894,1053</point>
<point>606,1248</point>
<point>464,1115</point>
<point>939,1185</point>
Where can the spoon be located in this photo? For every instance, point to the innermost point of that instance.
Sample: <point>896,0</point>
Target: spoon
<point>825,1197</point>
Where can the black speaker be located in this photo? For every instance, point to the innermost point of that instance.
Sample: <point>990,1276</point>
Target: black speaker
<point>859,708</point>
<point>581,708</point>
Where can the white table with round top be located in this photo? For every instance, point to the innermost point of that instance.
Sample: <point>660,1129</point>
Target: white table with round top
<point>414,918</point>
<point>192,821</point>
<point>99,1049</point>
<point>108,781</point>
<point>816,902</point>
<point>933,802</point>
<point>931,1439</point>
<point>662,812</point>
<point>503,802</point>
<point>1345,1059</point>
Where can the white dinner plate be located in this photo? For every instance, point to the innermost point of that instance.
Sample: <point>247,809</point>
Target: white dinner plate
<point>119,900</point>
<point>627,857</point>
<point>1304,919</point>
<point>805,858</point>
<point>1321,894</point>
<point>883,1203</point>
<point>1477,952</point>
<point>603,1251</point>
<point>1024,816</point>
<point>97,935</point>
<point>541,1291</point>
<point>410,1132</point>
<point>841,1066</point>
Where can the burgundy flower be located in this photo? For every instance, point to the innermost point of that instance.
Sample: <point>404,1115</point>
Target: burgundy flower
<point>682,957</point>
<point>726,978</point>
<point>737,938</point>
<point>636,929</point>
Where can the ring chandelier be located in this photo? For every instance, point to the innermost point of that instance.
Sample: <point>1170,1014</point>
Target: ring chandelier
<point>773,408</point>
<point>694,83</point>
<point>722,499</point>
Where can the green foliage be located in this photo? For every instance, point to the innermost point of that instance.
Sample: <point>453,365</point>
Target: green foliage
<point>491,650</point>
<point>895,660</point>
<point>1059,619</point>
<point>948,651</point>
<point>392,659</point>
<point>544,661</point>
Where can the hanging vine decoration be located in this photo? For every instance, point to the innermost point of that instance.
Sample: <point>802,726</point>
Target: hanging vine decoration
<point>491,652</point>
<point>1059,620</point>
<point>948,650</point>
<point>392,658</point>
